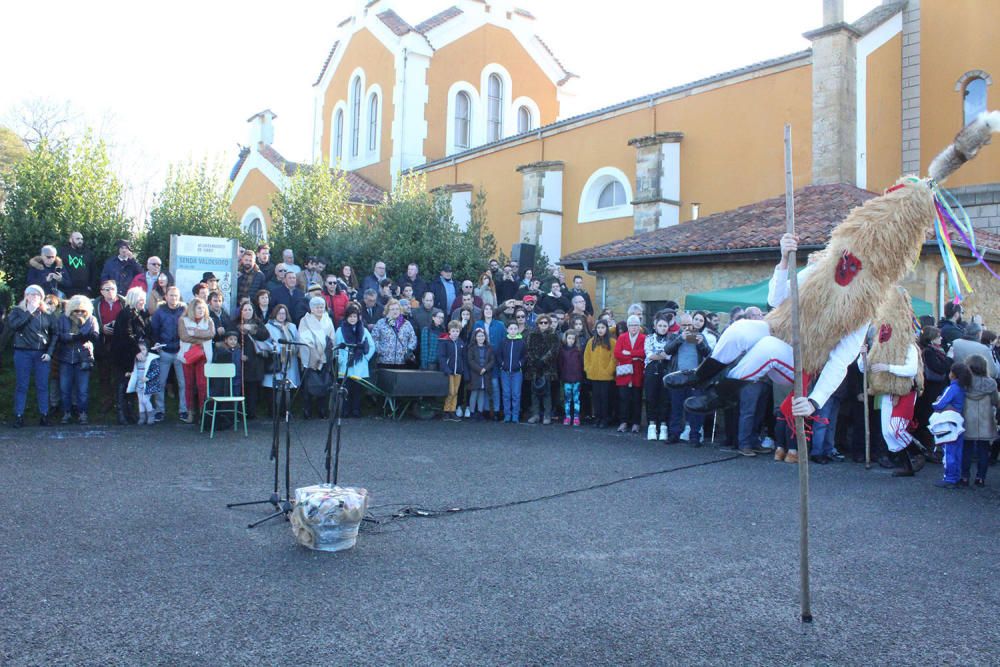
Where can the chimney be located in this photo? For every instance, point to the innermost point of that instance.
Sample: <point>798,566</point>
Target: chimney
<point>834,123</point>
<point>261,128</point>
<point>694,209</point>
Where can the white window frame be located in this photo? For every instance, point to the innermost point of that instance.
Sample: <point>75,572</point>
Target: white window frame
<point>986,97</point>
<point>341,108</point>
<point>531,106</point>
<point>476,131</point>
<point>589,212</point>
<point>252,213</point>
<point>505,97</point>
<point>356,112</point>
<point>463,139</point>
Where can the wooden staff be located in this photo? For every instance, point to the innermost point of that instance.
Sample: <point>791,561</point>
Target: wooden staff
<point>868,435</point>
<point>800,431</point>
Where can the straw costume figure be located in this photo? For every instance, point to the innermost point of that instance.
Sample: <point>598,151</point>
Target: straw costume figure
<point>839,294</point>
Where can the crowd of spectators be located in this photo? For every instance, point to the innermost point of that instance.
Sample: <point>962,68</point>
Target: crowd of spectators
<point>513,345</point>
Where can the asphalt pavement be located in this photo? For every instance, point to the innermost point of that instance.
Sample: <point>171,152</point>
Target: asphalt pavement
<point>118,550</point>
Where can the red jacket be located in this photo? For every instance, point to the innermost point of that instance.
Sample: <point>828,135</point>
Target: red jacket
<point>336,304</point>
<point>626,353</point>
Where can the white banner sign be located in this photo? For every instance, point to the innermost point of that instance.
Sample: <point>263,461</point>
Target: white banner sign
<point>191,257</point>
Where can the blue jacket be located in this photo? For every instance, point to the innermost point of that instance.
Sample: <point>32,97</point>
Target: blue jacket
<point>451,356</point>
<point>122,272</point>
<point>512,354</point>
<point>70,349</point>
<point>953,398</point>
<point>164,327</point>
<point>359,369</point>
<point>291,300</point>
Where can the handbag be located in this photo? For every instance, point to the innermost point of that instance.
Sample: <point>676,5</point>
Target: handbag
<point>317,382</point>
<point>195,354</point>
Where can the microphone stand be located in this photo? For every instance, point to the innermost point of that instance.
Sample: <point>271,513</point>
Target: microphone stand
<point>281,390</point>
<point>340,391</point>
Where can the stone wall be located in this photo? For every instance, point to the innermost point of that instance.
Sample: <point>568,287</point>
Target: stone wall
<point>984,300</point>
<point>911,88</point>
<point>982,203</point>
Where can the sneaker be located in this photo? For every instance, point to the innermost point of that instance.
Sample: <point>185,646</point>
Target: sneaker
<point>779,453</point>
<point>686,433</point>
<point>746,452</point>
<point>452,417</point>
<point>623,428</point>
<point>761,449</point>
<point>651,432</point>
<point>83,419</point>
<point>159,417</point>
<point>185,417</point>
<point>567,421</point>
<point>468,412</point>
<point>507,419</point>
<point>767,443</point>
<point>547,421</point>
<point>664,435</point>
<point>635,429</point>
<point>576,421</point>
<point>941,484</point>
<point>65,418</point>
<point>534,419</point>
<point>792,456</point>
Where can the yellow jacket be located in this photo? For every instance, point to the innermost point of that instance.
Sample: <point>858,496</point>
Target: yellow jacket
<point>599,364</point>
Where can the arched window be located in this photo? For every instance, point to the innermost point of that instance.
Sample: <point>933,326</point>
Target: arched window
<point>256,229</point>
<point>523,120</point>
<point>372,122</point>
<point>494,108</point>
<point>463,120</point>
<point>613,194</point>
<point>973,99</point>
<point>338,134</point>
<point>356,117</point>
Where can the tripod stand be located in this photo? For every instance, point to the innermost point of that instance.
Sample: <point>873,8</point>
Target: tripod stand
<point>282,387</point>
<point>336,421</point>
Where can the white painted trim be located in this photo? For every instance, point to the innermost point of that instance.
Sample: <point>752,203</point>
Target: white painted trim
<point>588,211</point>
<point>367,155</point>
<point>409,123</point>
<point>507,82</point>
<point>248,216</point>
<point>341,105</point>
<point>256,161</point>
<point>865,47</point>
<point>349,158</point>
<point>536,114</point>
<point>474,121</point>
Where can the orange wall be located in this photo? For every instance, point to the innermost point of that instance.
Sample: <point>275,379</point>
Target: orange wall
<point>952,42</point>
<point>464,60</point>
<point>732,154</point>
<point>365,51</point>
<point>256,190</point>
<point>884,113</point>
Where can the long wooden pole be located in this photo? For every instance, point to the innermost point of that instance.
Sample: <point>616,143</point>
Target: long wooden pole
<point>868,435</point>
<point>800,431</point>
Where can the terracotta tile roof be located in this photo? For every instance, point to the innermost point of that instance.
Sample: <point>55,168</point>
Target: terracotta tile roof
<point>438,19</point>
<point>363,191</point>
<point>326,63</point>
<point>877,17</point>
<point>755,227</point>
<point>395,22</point>
<point>244,152</point>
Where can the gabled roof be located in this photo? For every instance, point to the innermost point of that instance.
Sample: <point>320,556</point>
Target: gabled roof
<point>326,63</point>
<point>438,19</point>
<point>748,229</point>
<point>395,22</point>
<point>363,191</point>
<point>877,17</point>
<point>567,75</point>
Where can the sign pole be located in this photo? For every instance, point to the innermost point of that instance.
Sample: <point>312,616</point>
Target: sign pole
<point>800,433</point>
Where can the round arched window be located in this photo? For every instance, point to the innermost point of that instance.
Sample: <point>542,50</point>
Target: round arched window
<point>613,194</point>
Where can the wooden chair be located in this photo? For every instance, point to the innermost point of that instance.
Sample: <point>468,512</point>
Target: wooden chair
<point>234,404</point>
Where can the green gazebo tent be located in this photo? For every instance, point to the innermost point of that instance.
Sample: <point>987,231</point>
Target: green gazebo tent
<point>755,294</point>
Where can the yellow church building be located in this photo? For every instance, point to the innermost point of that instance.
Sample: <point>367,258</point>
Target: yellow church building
<point>471,98</point>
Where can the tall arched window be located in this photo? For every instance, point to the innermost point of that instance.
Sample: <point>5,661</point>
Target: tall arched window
<point>338,134</point>
<point>356,117</point>
<point>613,194</point>
<point>523,120</point>
<point>463,120</point>
<point>372,122</point>
<point>256,229</point>
<point>973,99</point>
<point>494,108</point>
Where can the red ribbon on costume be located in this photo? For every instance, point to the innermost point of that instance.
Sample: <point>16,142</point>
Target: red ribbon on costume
<point>786,411</point>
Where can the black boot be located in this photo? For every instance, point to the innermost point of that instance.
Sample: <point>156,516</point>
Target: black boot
<point>701,376</point>
<point>717,397</point>
<point>120,404</point>
<point>906,463</point>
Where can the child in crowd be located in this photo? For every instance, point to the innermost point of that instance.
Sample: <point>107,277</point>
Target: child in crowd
<point>599,366</point>
<point>656,395</point>
<point>145,382</point>
<point>429,337</point>
<point>512,354</point>
<point>451,358</point>
<point>948,425</point>
<point>480,374</point>
<point>980,421</point>
<point>571,375</point>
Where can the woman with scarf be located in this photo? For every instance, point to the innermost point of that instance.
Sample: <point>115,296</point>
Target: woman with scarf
<point>159,292</point>
<point>196,332</point>
<point>131,326</point>
<point>262,305</point>
<point>353,358</point>
<point>316,331</point>
<point>394,337</point>
<point>254,345</point>
<point>281,327</point>
<point>78,332</point>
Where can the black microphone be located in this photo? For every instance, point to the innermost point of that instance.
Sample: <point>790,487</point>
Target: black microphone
<point>344,346</point>
<point>284,341</point>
